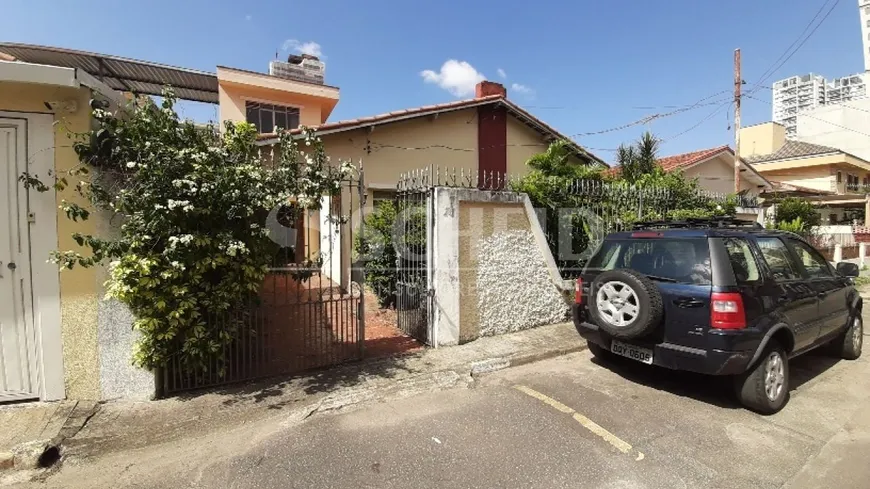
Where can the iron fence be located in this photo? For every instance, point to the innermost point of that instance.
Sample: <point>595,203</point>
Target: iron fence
<point>308,313</point>
<point>413,299</point>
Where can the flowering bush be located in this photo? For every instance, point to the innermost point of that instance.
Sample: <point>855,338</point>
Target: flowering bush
<point>192,205</point>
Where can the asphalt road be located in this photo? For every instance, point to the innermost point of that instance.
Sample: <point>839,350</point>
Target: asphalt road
<point>568,422</point>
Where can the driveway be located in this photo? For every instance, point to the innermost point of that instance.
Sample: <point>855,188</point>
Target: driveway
<point>567,422</point>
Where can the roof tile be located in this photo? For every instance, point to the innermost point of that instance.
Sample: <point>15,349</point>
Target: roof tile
<point>792,149</point>
<point>684,160</point>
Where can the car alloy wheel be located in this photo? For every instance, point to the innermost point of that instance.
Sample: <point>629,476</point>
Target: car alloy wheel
<point>618,303</point>
<point>774,376</point>
<point>857,333</point>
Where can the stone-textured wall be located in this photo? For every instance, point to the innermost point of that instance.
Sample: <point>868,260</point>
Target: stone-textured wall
<point>504,282</point>
<point>119,379</point>
<point>514,290</point>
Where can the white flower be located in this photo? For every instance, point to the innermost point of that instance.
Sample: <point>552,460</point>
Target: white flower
<point>131,164</point>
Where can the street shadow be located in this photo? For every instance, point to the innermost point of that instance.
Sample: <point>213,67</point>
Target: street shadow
<point>809,366</point>
<point>715,390</point>
<point>711,389</point>
<point>280,391</point>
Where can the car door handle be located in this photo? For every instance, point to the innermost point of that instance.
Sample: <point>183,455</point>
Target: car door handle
<point>689,303</point>
<point>822,295</point>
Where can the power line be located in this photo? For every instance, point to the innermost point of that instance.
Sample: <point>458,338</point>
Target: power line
<point>699,123</point>
<point>770,71</point>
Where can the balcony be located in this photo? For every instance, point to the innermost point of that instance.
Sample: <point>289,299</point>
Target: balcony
<point>856,188</point>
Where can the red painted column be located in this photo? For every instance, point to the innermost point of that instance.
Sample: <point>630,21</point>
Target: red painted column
<point>491,143</point>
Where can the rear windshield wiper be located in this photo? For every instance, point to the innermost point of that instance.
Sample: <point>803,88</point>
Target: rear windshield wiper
<point>662,279</point>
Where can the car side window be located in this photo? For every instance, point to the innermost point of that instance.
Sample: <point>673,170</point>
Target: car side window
<point>742,260</point>
<point>814,263</point>
<point>779,260</point>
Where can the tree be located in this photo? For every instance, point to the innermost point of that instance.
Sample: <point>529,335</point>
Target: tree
<point>638,159</point>
<point>792,208</point>
<point>192,204</point>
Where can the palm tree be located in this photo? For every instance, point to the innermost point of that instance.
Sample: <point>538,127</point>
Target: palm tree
<point>639,158</point>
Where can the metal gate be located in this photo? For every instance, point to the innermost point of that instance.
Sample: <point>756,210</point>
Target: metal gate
<point>412,233</point>
<point>309,313</point>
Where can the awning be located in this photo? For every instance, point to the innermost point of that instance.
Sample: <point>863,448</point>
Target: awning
<point>123,74</point>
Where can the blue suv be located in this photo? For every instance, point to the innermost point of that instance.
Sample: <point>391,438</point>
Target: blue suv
<point>718,296</point>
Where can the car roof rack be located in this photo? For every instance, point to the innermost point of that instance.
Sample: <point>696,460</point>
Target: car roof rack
<point>716,222</point>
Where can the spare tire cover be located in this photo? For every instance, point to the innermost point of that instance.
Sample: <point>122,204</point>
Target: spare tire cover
<point>625,304</point>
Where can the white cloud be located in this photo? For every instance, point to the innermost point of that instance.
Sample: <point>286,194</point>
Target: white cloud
<point>457,77</point>
<point>248,17</point>
<point>501,73</point>
<point>519,88</point>
<point>309,47</point>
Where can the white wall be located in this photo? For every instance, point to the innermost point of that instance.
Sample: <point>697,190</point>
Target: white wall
<point>820,126</point>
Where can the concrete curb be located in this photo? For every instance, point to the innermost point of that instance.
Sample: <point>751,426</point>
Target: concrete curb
<point>499,363</point>
<point>43,453</point>
<point>404,387</point>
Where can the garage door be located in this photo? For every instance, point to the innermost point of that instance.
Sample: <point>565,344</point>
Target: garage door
<point>17,342</point>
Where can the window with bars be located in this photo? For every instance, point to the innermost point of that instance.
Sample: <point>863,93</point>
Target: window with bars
<point>266,117</point>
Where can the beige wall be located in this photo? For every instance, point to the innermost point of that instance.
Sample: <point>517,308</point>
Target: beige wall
<point>815,177</point>
<point>761,139</point>
<point>523,143</point>
<point>387,158</point>
<point>232,100</point>
<point>717,175</point>
<point>78,287</point>
<point>315,102</point>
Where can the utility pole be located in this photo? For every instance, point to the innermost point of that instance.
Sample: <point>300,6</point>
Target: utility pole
<point>738,82</point>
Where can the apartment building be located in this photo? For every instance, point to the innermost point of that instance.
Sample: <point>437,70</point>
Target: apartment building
<point>800,94</point>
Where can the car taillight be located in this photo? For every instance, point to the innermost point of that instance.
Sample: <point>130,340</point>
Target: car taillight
<point>726,311</point>
<point>578,291</point>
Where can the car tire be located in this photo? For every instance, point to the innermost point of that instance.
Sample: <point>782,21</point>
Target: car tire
<point>764,388</point>
<point>639,291</point>
<point>849,345</point>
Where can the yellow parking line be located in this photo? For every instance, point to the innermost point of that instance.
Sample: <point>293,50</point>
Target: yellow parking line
<point>587,423</point>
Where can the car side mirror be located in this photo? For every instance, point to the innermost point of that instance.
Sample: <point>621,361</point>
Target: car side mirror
<point>848,269</point>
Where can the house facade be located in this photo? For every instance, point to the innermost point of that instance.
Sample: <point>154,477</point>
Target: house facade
<point>52,344</point>
<point>713,168</point>
<point>60,337</point>
<point>833,179</point>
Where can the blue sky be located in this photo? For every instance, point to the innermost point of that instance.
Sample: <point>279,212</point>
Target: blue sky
<point>586,65</point>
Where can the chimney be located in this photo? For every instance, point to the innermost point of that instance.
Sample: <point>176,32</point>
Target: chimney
<point>488,88</point>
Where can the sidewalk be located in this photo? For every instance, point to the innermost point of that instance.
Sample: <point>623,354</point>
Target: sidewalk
<point>130,425</point>
<point>31,433</point>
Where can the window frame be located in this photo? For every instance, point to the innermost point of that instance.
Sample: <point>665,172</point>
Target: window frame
<point>273,105</point>
<point>759,268</point>
<point>768,272</point>
<point>790,242</point>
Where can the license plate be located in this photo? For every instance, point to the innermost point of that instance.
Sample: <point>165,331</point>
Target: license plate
<point>644,355</point>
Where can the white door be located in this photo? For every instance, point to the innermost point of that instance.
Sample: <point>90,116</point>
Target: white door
<point>18,373</point>
<point>330,240</point>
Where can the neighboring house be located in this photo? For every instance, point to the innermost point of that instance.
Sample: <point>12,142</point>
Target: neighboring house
<point>488,133</point>
<point>714,170</point>
<point>60,338</point>
<point>48,320</point>
<point>832,178</point>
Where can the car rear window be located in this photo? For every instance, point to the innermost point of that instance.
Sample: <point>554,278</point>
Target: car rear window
<point>682,260</point>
